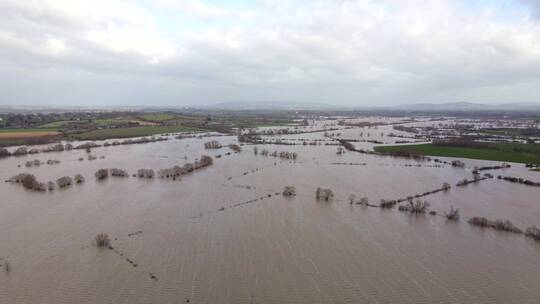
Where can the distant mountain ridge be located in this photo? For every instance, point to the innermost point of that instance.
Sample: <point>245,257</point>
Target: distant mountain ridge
<point>468,106</point>
<point>270,105</point>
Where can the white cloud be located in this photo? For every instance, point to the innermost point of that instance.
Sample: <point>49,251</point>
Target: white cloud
<point>345,52</point>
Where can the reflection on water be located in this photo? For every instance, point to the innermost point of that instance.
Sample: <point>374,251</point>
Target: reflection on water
<point>271,250</point>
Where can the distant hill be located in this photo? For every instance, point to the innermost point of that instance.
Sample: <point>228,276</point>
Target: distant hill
<point>271,105</point>
<point>467,106</point>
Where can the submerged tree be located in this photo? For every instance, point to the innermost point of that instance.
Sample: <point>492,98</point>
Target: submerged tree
<point>102,240</point>
<point>289,191</point>
<point>446,186</point>
<point>4,152</point>
<point>453,214</point>
<point>102,174</point>
<point>533,232</point>
<point>324,194</point>
<point>235,147</point>
<point>213,144</point>
<point>418,206</point>
<point>79,179</point>
<point>29,182</point>
<point>64,181</point>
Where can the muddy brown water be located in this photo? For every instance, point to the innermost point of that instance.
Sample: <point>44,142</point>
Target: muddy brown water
<point>273,250</point>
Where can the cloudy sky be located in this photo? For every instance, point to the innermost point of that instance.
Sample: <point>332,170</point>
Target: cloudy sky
<point>341,52</point>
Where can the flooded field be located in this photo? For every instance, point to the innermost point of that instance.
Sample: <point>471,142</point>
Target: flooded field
<point>225,234</point>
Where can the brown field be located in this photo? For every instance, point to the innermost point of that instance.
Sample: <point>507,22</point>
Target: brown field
<point>30,134</point>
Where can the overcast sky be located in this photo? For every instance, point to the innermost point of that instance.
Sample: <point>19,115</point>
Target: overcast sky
<point>340,52</point>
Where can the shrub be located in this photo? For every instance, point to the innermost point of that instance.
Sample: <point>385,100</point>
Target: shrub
<point>453,214</point>
<point>387,204</point>
<point>478,221</point>
<point>214,144</point>
<point>148,173</point>
<point>418,206</point>
<point>118,172</point>
<point>102,174</point>
<point>79,179</point>
<point>4,152</point>
<point>506,225</point>
<point>102,240</point>
<point>20,151</point>
<point>363,201</point>
<point>289,191</point>
<point>206,160</point>
<point>64,181</point>
<point>324,194</point>
<point>533,232</point>
<point>446,187</point>
<point>235,147</point>
<point>352,197</point>
<point>29,181</point>
<point>503,225</point>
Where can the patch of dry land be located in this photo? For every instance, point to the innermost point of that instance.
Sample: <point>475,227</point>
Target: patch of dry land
<point>26,134</point>
<point>163,224</point>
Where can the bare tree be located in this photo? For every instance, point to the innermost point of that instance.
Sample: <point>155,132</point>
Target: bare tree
<point>446,186</point>
<point>102,174</point>
<point>64,181</point>
<point>533,232</point>
<point>324,194</point>
<point>102,240</point>
<point>289,191</point>
<point>453,214</point>
<point>79,179</point>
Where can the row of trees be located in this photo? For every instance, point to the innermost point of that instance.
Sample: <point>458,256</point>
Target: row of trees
<point>324,194</point>
<point>213,144</point>
<point>102,174</point>
<point>281,154</point>
<point>30,182</point>
<point>177,171</point>
<point>20,151</point>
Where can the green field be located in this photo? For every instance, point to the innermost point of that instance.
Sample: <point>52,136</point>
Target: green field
<point>507,152</point>
<point>130,132</point>
<point>159,117</point>
<point>6,130</point>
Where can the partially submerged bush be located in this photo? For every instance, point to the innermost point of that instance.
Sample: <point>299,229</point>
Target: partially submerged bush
<point>387,204</point>
<point>503,225</point>
<point>363,201</point>
<point>29,181</point>
<point>453,214</point>
<point>478,221</point>
<point>235,147</point>
<point>50,186</point>
<point>324,194</point>
<point>64,181</point>
<point>289,191</point>
<point>446,187</point>
<point>102,174</point>
<point>79,179</point>
<point>118,172</point>
<point>533,232</point>
<point>4,152</point>
<point>214,144</point>
<point>418,206</point>
<point>102,240</point>
<point>20,151</point>
<point>147,173</point>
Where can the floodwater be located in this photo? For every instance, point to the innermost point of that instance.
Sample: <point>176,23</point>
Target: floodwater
<point>273,249</point>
